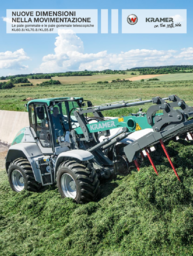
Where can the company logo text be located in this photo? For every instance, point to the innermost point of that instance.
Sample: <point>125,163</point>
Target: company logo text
<point>99,126</point>
<point>159,20</point>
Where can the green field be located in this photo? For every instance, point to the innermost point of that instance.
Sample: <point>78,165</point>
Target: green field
<point>176,77</point>
<point>86,79</point>
<point>12,99</point>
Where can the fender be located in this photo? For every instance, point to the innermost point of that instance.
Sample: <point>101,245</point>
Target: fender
<point>26,150</point>
<point>81,155</point>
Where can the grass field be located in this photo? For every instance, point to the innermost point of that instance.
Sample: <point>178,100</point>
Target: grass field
<point>2,81</point>
<point>86,79</point>
<point>176,77</point>
<point>11,99</point>
<point>135,78</point>
<point>138,214</point>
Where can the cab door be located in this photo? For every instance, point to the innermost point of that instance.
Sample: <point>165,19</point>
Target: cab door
<point>40,127</point>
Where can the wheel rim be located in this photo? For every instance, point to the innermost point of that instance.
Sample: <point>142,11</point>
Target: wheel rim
<point>68,185</point>
<point>17,180</point>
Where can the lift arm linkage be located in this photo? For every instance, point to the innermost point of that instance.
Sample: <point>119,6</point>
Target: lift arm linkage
<point>169,118</point>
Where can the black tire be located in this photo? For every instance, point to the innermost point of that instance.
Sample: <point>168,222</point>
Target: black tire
<point>23,167</point>
<point>86,181</point>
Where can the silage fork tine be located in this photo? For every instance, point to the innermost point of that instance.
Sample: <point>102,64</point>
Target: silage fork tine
<point>151,161</point>
<point>168,157</point>
<point>137,165</point>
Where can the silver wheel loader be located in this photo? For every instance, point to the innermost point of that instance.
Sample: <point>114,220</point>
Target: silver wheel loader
<point>69,142</point>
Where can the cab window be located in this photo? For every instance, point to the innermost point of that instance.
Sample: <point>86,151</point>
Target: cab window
<point>39,122</point>
<point>57,121</point>
<point>73,105</point>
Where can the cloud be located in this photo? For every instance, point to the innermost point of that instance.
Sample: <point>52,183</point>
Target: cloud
<point>185,54</point>
<point>13,60</point>
<point>177,18</point>
<point>8,20</point>
<point>69,55</point>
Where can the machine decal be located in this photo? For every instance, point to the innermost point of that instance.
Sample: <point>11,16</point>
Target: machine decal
<point>137,127</point>
<point>121,119</point>
<point>99,126</point>
<point>18,138</point>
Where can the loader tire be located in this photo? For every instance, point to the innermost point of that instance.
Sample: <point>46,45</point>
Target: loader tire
<point>21,176</point>
<point>75,180</point>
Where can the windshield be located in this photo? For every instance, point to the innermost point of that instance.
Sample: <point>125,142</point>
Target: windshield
<point>73,105</point>
<point>59,118</point>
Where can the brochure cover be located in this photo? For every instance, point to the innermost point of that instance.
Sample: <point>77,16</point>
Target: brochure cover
<point>96,128</point>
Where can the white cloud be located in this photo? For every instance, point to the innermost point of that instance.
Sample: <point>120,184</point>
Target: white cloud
<point>69,55</point>
<point>177,18</point>
<point>13,60</point>
<point>186,54</point>
<point>8,20</point>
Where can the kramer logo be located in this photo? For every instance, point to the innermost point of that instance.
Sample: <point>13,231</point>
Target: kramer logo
<point>100,126</point>
<point>159,20</point>
<point>132,19</point>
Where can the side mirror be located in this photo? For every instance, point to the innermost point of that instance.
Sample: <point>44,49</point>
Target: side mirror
<point>89,103</point>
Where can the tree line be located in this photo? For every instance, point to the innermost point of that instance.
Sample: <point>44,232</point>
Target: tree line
<point>164,70</point>
<point>68,73</point>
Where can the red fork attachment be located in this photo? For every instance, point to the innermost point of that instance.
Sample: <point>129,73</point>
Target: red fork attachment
<point>151,161</point>
<point>142,155</point>
<point>168,157</point>
<point>136,164</point>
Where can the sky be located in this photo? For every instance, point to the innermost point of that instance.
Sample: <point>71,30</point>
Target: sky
<point>67,51</point>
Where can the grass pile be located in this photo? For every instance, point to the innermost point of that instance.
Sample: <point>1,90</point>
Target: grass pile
<point>138,214</point>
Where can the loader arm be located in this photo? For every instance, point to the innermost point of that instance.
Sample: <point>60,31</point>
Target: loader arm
<point>152,119</point>
<point>133,123</point>
<point>176,119</point>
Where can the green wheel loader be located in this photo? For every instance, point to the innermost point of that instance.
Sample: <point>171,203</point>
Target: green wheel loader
<point>69,142</point>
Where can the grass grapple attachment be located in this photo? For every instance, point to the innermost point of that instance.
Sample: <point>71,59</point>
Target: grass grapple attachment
<point>170,124</point>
